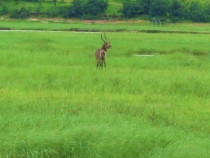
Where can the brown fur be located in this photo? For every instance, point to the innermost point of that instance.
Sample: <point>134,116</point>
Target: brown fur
<point>100,54</point>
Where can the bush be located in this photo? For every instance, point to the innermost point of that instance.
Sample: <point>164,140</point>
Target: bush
<point>159,8</point>
<point>4,10</point>
<point>23,13</point>
<point>130,8</point>
<point>67,12</point>
<point>95,7</point>
<point>31,0</point>
<point>91,17</point>
<point>198,13</point>
<point>176,9</point>
<point>208,9</point>
<point>52,12</point>
<point>87,8</point>
<point>174,19</point>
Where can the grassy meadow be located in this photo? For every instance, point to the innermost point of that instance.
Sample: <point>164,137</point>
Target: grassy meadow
<point>55,103</point>
<point>102,25</point>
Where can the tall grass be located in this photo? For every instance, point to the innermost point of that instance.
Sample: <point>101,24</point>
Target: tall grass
<point>55,103</point>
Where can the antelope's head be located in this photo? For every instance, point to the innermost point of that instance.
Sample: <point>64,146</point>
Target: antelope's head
<point>107,44</point>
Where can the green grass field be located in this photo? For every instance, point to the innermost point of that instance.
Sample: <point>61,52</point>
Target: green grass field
<point>102,25</point>
<point>55,103</point>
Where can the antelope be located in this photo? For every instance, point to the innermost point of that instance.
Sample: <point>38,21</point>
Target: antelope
<point>100,54</point>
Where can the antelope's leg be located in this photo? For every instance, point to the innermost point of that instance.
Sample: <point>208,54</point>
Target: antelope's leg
<point>105,63</point>
<point>98,63</point>
<point>101,63</point>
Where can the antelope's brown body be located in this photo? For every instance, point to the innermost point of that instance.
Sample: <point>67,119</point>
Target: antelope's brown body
<point>100,54</point>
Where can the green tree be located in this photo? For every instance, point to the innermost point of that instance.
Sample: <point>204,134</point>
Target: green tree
<point>159,8</point>
<point>88,7</point>
<point>40,1</point>
<point>208,9</point>
<point>176,9</point>
<point>131,8</point>
<point>1,2</point>
<point>4,10</point>
<point>31,0</point>
<point>145,5</point>
<point>95,7</point>
<point>55,1</point>
<point>198,13</point>
<point>78,7</point>
<point>22,13</point>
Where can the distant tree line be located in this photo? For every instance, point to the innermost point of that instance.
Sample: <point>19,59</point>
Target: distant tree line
<point>174,10</point>
<point>87,9</point>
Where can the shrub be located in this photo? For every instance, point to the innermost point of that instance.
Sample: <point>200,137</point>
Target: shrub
<point>95,7</point>
<point>4,10</point>
<point>174,19</point>
<point>90,17</point>
<point>23,13</point>
<point>159,8</point>
<point>176,9</point>
<point>130,8</point>
<point>67,12</point>
<point>87,8</point>
<point>52,12</point>
<point>31,0</point>
<point>198,13</point>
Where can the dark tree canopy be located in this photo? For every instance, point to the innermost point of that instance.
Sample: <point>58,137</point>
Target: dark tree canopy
<point>173,9</point>
<point>159,8</point>
<point>130,8</point>
<point>198,13</point>
<point>170,10</point>
<point>88,7</point>
<point>95,7</point>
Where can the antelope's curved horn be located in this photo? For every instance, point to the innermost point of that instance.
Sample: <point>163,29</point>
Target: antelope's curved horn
<point>105,36</point>
<point>102,37</point>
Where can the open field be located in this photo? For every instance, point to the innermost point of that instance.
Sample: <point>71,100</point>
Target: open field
<point>55,103</point>
<point>101,25</point>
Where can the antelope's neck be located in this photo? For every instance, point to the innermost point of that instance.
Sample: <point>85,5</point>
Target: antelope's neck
<point>104,48</point>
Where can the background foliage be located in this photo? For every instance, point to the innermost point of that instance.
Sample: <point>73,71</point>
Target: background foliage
<point>172,10</point>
